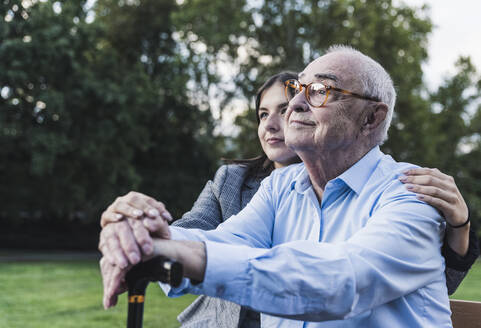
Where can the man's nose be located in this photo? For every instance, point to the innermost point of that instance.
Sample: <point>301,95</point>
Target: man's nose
<point>297,104</point>
<point>300,107</point>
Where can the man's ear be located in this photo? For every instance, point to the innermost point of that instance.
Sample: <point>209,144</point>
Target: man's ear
<point>375,115</point>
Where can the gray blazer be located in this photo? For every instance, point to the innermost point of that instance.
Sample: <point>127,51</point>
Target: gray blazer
<point>220,199</point>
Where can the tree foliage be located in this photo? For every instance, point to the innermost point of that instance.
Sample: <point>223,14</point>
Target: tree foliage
<point>98,101</point>
<point>454,133</point>
<point>90,111</point>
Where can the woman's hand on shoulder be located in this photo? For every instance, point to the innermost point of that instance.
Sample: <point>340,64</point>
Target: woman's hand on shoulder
<point>439,190</point>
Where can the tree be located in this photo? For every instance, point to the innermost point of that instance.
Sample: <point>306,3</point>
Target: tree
<point>453,133</point>
<point>96,102</point>
<point>265,37</point>
<point>90,111</point>
<point>180,150</point>
<point>469,175</point>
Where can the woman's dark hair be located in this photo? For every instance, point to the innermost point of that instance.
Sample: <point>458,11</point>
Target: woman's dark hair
<point>261,166</point>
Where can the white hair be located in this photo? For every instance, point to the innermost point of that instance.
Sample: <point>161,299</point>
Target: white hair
<point>376,83</point>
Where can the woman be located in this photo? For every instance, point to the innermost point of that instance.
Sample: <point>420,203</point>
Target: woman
<point>235,184</point>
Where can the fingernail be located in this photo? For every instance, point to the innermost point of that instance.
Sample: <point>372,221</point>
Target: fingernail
<point>406,171</point>
<point>118,216</point>
<point>123,263</point>
<point>147,248</point>
<point>409,186</point>
<point>421,197</point>
<point>137,212</point>
<point>134,258</point>
<point>147,224</point>
<point>403,178</point>
<point>154,212</point>
<point>167,215</point>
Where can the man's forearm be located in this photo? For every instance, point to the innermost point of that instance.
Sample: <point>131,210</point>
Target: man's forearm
<point>191,254</point>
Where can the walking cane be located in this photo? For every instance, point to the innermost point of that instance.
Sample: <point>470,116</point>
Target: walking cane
<point>157,269</point>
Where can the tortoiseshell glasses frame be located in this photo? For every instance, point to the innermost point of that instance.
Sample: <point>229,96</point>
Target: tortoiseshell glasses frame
<point>317,93</point>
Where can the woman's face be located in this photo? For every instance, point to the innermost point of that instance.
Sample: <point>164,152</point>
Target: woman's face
<point>272,108</point>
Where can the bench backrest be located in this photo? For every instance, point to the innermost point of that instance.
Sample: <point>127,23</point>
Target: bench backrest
<point>465,314</point>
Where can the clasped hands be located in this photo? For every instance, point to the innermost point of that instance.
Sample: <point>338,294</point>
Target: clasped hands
<point>135,228</point>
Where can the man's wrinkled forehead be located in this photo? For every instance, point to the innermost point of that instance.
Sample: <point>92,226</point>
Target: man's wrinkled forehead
<point>322,69</point>
<point>331,68</point>
<point>318,77</point>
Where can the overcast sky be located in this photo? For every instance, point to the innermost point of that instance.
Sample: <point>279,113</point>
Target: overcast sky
<point>457,26</point>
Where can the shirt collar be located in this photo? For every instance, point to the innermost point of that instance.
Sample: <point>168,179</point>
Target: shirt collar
<point>355,177</point>
<point>301,182</point>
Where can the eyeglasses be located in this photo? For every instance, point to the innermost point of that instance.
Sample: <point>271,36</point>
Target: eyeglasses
<point>316,93</point>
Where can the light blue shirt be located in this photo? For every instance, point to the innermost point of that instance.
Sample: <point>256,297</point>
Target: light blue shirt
<point>367,256</point>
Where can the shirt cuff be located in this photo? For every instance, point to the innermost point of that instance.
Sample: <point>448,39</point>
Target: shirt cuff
<point>177,233</point>
<point>458,262</point>
<point>184,288</point>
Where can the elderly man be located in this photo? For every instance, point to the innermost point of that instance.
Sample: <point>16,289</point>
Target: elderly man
<point>335,241</point>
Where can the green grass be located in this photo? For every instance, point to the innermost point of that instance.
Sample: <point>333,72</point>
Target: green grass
<point>470,288</point>
<point>69,294</point>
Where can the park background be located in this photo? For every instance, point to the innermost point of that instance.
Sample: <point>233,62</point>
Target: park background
<point>98,98</point>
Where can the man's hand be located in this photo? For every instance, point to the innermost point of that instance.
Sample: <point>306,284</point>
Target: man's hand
<point>125,242</point>
<point>113,279</point>
<point>127,233</point>
<point>191,254</point>
<point>134,205</point>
